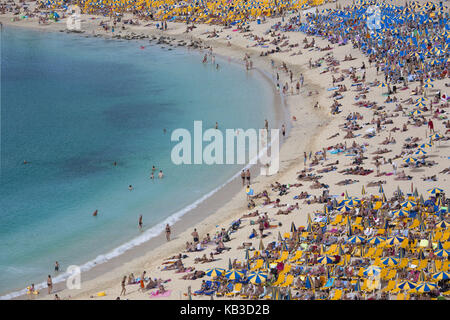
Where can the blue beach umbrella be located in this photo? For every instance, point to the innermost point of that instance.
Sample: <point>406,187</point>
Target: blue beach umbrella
<point>372,271</point>
<point>435,190</point>
<point>442,253</point>
<point>234,274</point>
<point>215,272</point>
<point>376,240</point>
<point>355,239</point>
<point>389,261</point>
<point>407,285</point>
<point>420,152</point>
<point>441,275</point>
<point>400,213</point>
<point>395,240</point>
<point>257,277</point>
<point>408,204</point>
<point>425,287</point>
<point>325,259</point>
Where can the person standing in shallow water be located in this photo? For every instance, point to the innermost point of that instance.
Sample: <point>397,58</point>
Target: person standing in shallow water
<point>168,232</point>
<point>140,222</point>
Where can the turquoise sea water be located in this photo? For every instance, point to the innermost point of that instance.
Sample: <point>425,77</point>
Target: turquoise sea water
<point>70,107</point>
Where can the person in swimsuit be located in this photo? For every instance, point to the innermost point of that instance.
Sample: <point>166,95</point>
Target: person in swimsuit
<point>247,175</point>
<point>195,235</point>
<point>243,177</point>
<point>49,284</point>
<point>56,266</point>
<point>124,290</point>
<point>168,232</point>
<point>140,221</point>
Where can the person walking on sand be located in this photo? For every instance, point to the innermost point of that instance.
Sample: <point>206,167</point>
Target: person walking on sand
<point>283,130</point>
<point>243,177</point>
<point>305,158</point>
<point>49,284</point>
<point>247,175</point>
<point>168,232</point>
<point>266,124</point>
<point>124,290</point>
<point>431,125</point>
<point>195,235</point>
<point>140,222</point>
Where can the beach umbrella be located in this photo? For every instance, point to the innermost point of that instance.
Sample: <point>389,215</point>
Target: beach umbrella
<point>400,213</point>
<point>425,145</point>
<point>407,285</point>
<point>410,160</point>
<point>308,282</point>
<point>435,136</point>
<point>257,277</point>
<point>355,239</point>
<point>230,265</point>
<point>234,274</point>
<point>215,272</point>
<point>420,105</point>
<point>261,245</point>
<point>293,228</point>
<point>325,259</point>
<point>372,271</point>
<point>381,190</point>
<point>376,240</point>
<point>352,202</point>
<point>417,112</point>
<point>435,190</point>
<point>420,152</point>
<point>428,85</point>
<point>441,275</point>
<point>421,99</point>
<point>443,224</point>
<point>442,253</point>
<point>408,204</point>
<point>395,240</point>
<point>344,208</point>
<point>389,261</point>
<point>425,287</point>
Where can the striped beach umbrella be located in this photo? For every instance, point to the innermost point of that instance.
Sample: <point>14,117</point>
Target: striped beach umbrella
<point>395,240</point>
<point>420,104</point>
<point>234,274</point>
<point>352,202</point>
<point>400,213</point>
<point>443,224</point>
<point>420,152</point>
<point>325,259</point>
<point>428,85</point>
<point>376,240</point>
<point>344,208</point>
<point>408,204</point>
<point>435,190</point>
<point>425,287</point>
<point>436,136</point>
<point>442,253</point>
<point>425,145</point>
<point>406,285</point>
<point>410,160</point>
<point>441,275</point>
<point>257,277</point>
<point>372,271</point>
<point>382,85</point>
<point>421,99</point>
<point>355,239</point>
<point>215,272</point>
<point>390,261</point>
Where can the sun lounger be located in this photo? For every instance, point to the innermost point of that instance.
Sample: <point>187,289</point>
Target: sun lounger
<point>337,295</point>
<point>288,282</point>
<point>284,256</point>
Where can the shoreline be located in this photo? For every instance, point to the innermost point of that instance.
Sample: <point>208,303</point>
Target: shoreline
<point>154,246</point>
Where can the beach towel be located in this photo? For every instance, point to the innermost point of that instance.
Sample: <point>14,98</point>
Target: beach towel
<point>333,88</point>
<point>156,294</point>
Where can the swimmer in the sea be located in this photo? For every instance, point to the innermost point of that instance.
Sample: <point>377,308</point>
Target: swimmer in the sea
<point>130,187</point>
<point>160,174</point>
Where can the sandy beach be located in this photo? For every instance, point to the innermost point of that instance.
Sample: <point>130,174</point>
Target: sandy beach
<point>312,128</point>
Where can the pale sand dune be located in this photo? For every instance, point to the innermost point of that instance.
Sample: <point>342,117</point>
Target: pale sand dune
<point>309,133</point>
